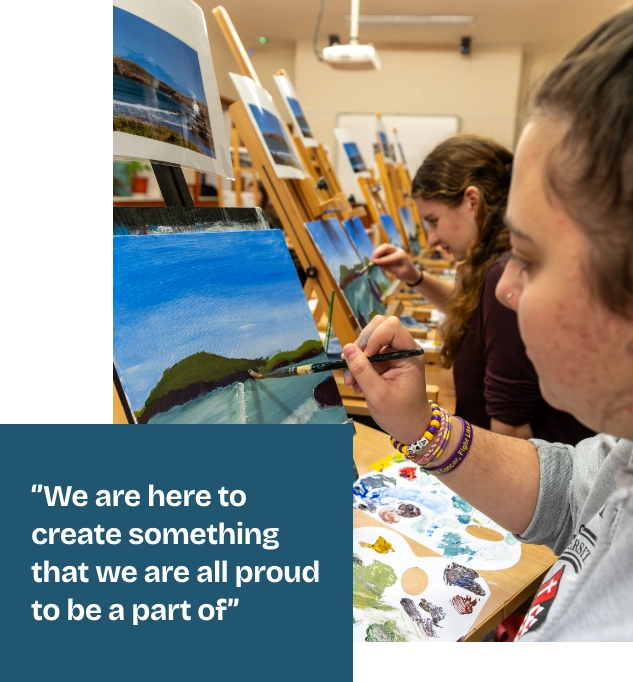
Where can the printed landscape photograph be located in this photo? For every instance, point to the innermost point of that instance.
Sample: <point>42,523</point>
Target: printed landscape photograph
<point>299,116</point>
<point>158,90</point>
<point>362,293</point>
<point>385,146</point>
<point>274,135</point>
<point>354,156</point>
<point>194,312</point>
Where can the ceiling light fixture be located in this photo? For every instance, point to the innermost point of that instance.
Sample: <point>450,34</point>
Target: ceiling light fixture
<point>415,19</point>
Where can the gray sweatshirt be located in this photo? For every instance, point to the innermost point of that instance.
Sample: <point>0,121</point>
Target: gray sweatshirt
<point>584,514</point>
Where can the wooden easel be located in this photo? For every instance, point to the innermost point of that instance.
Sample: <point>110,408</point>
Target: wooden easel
<point>296,202</point>
<point>316,160</point>
<point>391,188</point>
<point>370,189</point>
<point>404,179</point>
<point>239,169</point>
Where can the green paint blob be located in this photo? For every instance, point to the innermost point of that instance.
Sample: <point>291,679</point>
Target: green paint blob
<point>451,545</point>
<point>369,584</point>
<point>384,632</point>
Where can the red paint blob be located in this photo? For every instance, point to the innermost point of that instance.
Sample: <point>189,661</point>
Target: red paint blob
<point>409,473</point>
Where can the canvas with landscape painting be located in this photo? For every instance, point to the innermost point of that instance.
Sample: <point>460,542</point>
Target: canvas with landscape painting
<point>389,226</point>
<point>365,248</point>
<point>360,290</point>
<point>406,217</point>
<point>193,313</point>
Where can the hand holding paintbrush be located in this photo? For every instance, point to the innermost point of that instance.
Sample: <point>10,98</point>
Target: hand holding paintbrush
<point>334,364</point>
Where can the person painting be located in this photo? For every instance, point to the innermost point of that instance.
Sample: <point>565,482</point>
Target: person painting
<point>570,281</point>
<point>461,191</point>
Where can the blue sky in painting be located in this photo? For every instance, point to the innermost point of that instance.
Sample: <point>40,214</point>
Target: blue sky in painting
<point>360,238</point>
<point>159,52</point>
<point>407,220</point>
<point>334,244</point>
<point>236,294</point>
<point>391,230</point>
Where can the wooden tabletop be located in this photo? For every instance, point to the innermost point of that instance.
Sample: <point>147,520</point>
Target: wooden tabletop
<point>508,588</point>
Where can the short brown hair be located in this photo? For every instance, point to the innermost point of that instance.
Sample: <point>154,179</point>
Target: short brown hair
<point>591,170</point>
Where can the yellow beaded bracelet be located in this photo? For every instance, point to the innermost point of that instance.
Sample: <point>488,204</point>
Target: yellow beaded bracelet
<point>429,434</point>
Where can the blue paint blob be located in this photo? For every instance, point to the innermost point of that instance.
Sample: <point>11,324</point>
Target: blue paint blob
<point>460,504</point>
<point>451,545</point>
<point>464,518</point>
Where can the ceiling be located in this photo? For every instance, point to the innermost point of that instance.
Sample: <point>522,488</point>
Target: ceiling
<point>533,23</point>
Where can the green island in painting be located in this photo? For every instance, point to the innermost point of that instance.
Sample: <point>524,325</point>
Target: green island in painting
<point>203,372</point>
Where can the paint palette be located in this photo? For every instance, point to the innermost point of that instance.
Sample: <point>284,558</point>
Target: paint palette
<point>401,597</point>
<point>419,506</point>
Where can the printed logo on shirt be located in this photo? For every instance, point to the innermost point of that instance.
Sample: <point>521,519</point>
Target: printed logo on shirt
<point>579,549</point>
<point>541,605</point>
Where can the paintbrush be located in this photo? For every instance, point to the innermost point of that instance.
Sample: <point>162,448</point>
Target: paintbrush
<point>334,364</point>
<point>329,322</point>
<point>391,290</point>
<point>368,268</point>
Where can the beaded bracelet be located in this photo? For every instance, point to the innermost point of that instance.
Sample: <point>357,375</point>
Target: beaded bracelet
<point>429,433</point>
<point>438,449</point>
<point>460,452</point>
<point>437,443</point>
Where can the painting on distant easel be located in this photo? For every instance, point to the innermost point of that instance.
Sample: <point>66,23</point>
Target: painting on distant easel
<point>365,248</point>
<point>410,229</point>
<point>297,116</point>
<point>391,230</point>
<point>274,135</point>
<point>360,290</point>
<point>165,101</point>
<point>385,147</point>
<point>351,152</point>
<point>194,312</point>
<point>354,156</point>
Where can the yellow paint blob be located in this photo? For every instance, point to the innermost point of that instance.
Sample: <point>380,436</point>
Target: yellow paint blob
<point>381,546</point>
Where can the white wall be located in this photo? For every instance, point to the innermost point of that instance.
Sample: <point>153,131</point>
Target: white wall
<point>481,89</point>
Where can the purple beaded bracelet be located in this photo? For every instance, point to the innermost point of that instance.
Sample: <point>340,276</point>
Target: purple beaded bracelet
<point>459,454</point>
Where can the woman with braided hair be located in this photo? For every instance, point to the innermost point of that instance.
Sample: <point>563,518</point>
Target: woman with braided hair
<point>461,191</point>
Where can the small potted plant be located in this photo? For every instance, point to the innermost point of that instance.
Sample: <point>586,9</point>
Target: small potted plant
<point>138,174</point>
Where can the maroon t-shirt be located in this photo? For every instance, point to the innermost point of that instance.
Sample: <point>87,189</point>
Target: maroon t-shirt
<point>495,378</point>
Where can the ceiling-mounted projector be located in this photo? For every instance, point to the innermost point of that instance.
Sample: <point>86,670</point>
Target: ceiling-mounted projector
<point>352,57</point>
<point>356,57</point>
